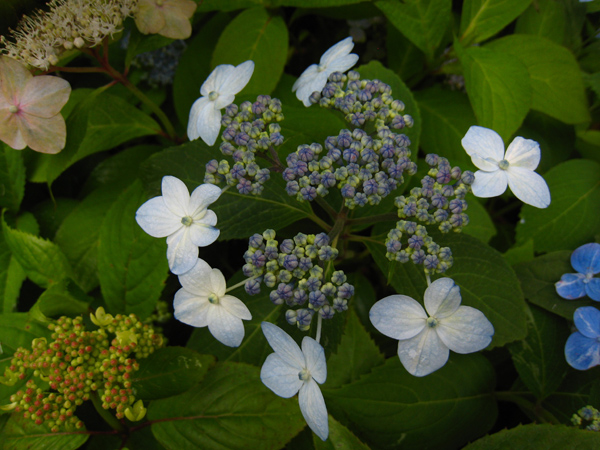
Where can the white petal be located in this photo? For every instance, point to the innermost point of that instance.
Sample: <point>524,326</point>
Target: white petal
<point>192,129</point>
<point>235,307</point>
<point>484,142</point>
<point>337,51</point>
<point>466,331</point>
<point>208,218</point>
<point>225,327</point>
<point>216,282</point>
<point>307,76</point>
<point>316,83</point>
<point>205,121</point>
<point>175,195</point>
<point>423,354</point>
<point>215,79</point>
<point>284,345</point>
<point>528,186</point>
<point>237,79</point>
<point>280,377</point>
<point>202,235</point>
<point>191,309</point>
<point>156,219</point>
<point>398,316</point>
<point>486,164</point>
<point>442,298</point>
<point>523,153</point>
<point>182,254</point>
<point>342,64</point>
<point>314,355</point>
<point>202,196</point>
<point>195,279</point>
<point>489,184</point>
<point>312,405</point>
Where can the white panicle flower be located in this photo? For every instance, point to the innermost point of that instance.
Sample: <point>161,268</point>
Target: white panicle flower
<point>425,338</point>
<point>337,59</point>
<point>218,91</point>
<point>185,220</point>
<point>202,302</point>
<point>499,170</point>
<point>290,370</point>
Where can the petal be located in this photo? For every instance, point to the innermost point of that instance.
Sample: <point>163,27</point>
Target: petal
<point>486,164</point>
<point>528,186</point>
<point>9,130</point>
<point>582,352</point>
<point>176,196</point>
<point>423,354</point>
<point>215,79</point>
<point>442,298</point>
<point>284,345</point>
<point>156,219</point>
<point>312,405</point>
<point>570,286</point>
<point>592,289</point>
<point>587,321</point>
<point>306,77</point>
<point>13,78</point>
<point>483,142</point>
<point>314,355</point>
<point>237,79</point>
<point>43,135</point>
<point>489,184</point>
<point>207,218</point>
<point>337,51</point>
<point>191,309</point>
<point>398,316</point>
<point>197,106</point>
<point>207,124</point>
<point>316,83</point>
<point>44,96</point>
<point>196,280</point>
<point>148,18</point>
<point>217,283</point>
<point>235,307</point>
<point>202,196</point>
<point>342,64</point>
<point>280,377</point>
<point>586,259</point>
<point>203,235</point>
<point>465,331</point>
<point>523,153</point>
<point>182,254</point>
<point>225,327</point>
<point>177,17</point>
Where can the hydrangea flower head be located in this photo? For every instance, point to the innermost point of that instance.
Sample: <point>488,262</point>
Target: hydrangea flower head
<point>582,349</point>
<point>426,336</point>
<point>202,302</point>
<point>586,261</point>
<point>185,220</point>
<point>337,59</point>
<point>169,18</point>
<point>515,168</point>
<point>290,371</point>
<point>30,108</point>
<point>218,91</point>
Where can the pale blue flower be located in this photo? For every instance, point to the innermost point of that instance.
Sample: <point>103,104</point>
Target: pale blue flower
<point>582,349</point>
<point>586,261</point>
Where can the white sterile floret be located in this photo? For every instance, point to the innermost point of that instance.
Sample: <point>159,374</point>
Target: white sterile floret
<point>425,338</point>
<point>183,219</point>
<point>290,370</point>
<point>218,91</point>
<point>337,59</point>
<point>202,302</point>
<point>499,170</point>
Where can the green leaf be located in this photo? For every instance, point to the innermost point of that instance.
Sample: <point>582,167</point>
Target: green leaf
<point>230,409</point>
<point>482,19</point>
<point>554,73</point>
<point>356,355</point>
<point>423,22</point>
<point>20,434</point>
<point>545,18</point>
<point>498,87</point>
<point>12,178</point>
<point>534,437</point>
<point>63,299</point>
<point>540,357</point>
<point>572,218</point>
<point>480,225</point>
<point>12,276</point>
<point>518,254</point>
<point>314,123</point>
<point>588,144</point>
<point>169,371</point>
<point>132,266</point>
<point>445,409</point>
<point>255,35</point>
<point>340,438</point>
<point>575,392</point>
<point>403,57</point>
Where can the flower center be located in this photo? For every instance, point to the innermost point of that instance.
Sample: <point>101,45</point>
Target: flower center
<point>213,96</point>
<point>503,164</point>
<point>187,220</point>
<point>13,109</point>
<point>304,375</point>
<point>432,322</point>
<point>214,299</point>
<point>588,277</point>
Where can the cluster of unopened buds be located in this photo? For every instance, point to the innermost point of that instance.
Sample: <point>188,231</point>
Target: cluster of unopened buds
<point>587,417</point>
<point>78,364</point>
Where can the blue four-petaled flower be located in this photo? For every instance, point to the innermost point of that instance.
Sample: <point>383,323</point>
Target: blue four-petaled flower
<point>582,349</point>
<point>586,261</point>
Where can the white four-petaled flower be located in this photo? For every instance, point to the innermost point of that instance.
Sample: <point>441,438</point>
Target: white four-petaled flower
<point>183,219</point>
<point>218,91</point>
<point>290,370</point>
<point>202,302</point>
<point>337,59</point>
<point>425,338</point>
<point>499,170</point>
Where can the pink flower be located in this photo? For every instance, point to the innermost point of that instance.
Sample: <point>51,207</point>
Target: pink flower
<point>169,18</point>
<point>30,108</point>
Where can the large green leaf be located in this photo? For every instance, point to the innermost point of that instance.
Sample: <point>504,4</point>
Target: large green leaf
<point>11,278</point>
<point>576,391</point>
<point>482,19</point>
<point>572,217</point>
<point>480,225</point>
<point>21,434</point>
<point>498,87</point>
<point>230,409</point>
<point>340,438</point>
<point>445,409</point>
<point>404,57</point>
<point>255,35</point>
<point>63,299</point>
<point>554,73</point>
<point>12,178</point>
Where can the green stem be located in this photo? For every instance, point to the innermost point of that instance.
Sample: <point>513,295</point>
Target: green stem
<point>105,414</point>
<point>536,409</point>
<point>241,283</point>
<point>373,219</point>
<point>316,219</point>
<point>340,222</point>
<point>326,206</point>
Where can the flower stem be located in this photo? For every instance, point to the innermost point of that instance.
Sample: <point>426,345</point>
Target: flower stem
<point>241,283</point>
<point>428,279</point>
<point>373,219</point>
<point>536,409</point>
<point>319,324</point>
<point>105,414</point>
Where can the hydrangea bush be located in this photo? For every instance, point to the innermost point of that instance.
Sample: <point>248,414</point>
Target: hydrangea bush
<point>300,225</point>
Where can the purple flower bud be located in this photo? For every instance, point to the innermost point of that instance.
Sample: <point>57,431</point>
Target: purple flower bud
<point>290,316</point>
<point>314,97</point>
<point>344,139</point>
<point>308,193</point>
<point>415,242</point>
<point>276,139</point>
<point>258,108</point>
<point>305,264</point>
<point>212,166</point>
<point>313,284</point>
<point>327,312</point>
<point>321,240</point>
<point>360,199</point>
<point>418,257</point>
<point>252,287</point>
<point>338,277</point>
<point>345,291</point>
<point>340,304</point>
<point>292,188</point>
<point>231,110</point>
<point>316,298</point>
<point>300,296</point>
<point>456,206</point>
<point>445,253</point>
<point>274,297</point>
<point>270,280</point>
<point>304,317</point>
<point>468,177</point>
<point>431,262</point>
<point>284,291</point>
<point>258,259</point>
<point>393,246</point>
<point>290,262</point>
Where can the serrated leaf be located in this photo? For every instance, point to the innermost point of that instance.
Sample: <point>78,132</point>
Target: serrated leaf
<point>20,434</point>
<point>340,438</point>
<point>571,219</point>
<point>258,36</point>
<point>132,266</point>
<point>63,299</point>
<point>445,409</point>
<point>12,178</point>
<point>482,19</point>
<point>230,409</point>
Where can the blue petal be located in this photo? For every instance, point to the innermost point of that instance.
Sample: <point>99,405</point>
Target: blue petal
<point>582,352</point>
<point>587,321</point>
<point>592,289</point>
<point>586,259</point>
<point>571,286</point>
